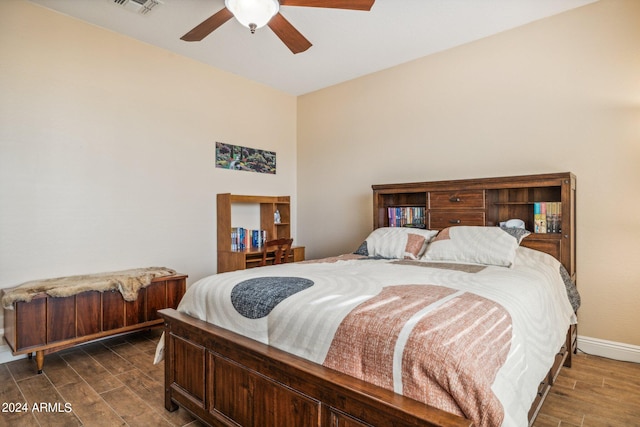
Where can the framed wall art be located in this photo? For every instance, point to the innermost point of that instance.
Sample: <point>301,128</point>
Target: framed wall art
<point>237,157</point>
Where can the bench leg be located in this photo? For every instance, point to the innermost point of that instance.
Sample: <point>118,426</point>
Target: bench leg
<point>40,360</point>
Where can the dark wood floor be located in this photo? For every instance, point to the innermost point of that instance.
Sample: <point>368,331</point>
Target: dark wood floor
<point>594,392</point>
<point>114,382</point>
<point>108,383</point>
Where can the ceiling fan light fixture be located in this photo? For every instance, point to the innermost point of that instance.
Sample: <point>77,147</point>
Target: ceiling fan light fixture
<point>253,13</point>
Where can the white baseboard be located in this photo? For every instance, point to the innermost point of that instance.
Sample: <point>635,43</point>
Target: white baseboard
<point>5,351</point>
<point>609,349</point>
<point>6,356</point>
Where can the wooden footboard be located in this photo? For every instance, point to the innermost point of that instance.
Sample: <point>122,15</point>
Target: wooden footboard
<point>228,380</point>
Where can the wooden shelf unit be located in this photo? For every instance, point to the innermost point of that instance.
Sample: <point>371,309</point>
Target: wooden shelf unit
<point>487,202</point>
<point>230,260</point>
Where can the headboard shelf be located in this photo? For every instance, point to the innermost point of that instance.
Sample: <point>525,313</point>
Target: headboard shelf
<point>488,202</point>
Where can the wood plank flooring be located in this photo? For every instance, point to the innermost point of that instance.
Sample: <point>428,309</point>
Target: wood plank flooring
<point>114,383</point>
<point>107,383</point>
<point>593,392</point>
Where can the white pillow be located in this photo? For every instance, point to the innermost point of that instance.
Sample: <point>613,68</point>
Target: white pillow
<point>478,245</point>
<point>398,242</point>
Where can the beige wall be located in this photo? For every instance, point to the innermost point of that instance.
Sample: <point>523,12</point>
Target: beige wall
<point>560,94</point>
<point>107,149</point>
<point>107,145</point>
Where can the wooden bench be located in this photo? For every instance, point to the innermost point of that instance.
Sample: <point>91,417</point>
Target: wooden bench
<point>48,324</point>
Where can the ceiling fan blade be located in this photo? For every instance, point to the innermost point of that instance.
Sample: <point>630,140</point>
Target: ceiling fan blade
<point>208,26</point>
<point>291,37</point>
<point>337,4</point>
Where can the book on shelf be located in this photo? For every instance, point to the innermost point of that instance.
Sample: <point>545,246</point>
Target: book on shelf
<point>243,239</point>
<point>547,217</point>
<point>402,216</point>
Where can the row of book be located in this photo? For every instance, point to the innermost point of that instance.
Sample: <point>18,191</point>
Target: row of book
<point>243,239</point>
<point>400,217</point>
<point>547,217</point>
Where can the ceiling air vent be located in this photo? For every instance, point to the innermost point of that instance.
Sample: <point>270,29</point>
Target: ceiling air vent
<point>138,6</point>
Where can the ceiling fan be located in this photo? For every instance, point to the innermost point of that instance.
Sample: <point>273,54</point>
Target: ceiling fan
<point>258,13</point>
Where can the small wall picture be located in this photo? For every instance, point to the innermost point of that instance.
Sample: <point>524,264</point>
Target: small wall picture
<point>241,158</point>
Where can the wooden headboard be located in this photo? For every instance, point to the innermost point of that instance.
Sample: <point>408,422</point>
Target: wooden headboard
<point>488,202</point>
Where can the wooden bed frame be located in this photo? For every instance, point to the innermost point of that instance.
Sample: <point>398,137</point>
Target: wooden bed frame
<point>225,379</point>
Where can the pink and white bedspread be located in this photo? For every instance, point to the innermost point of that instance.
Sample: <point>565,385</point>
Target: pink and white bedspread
<point>472,340</point>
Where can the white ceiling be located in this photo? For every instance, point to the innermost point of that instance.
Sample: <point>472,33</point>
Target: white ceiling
<point>346,44</point>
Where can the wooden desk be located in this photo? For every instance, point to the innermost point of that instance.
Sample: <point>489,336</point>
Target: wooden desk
<point>241,260</point>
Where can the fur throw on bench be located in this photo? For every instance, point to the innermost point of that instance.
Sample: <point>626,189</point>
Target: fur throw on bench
<point>128,282</point>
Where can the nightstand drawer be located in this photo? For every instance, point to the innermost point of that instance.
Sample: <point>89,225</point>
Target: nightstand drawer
<point>444,219</point>
<point>472,199</point>
<point>543,243</point>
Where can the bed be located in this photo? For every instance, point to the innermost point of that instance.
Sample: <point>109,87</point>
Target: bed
<point>454,327</point>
